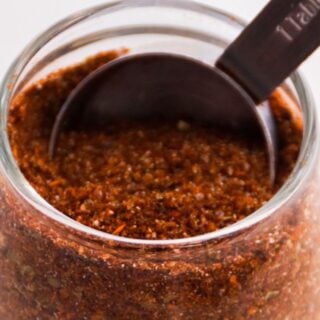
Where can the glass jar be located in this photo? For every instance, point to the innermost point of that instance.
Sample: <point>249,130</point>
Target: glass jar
<point>51,267</point>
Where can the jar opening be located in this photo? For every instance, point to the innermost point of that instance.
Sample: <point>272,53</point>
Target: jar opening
<point>12,172</point>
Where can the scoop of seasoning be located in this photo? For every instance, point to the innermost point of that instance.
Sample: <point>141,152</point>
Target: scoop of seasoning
<point>147,180</point>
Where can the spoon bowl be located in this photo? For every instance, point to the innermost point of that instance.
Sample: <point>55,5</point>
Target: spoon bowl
<point>160,85</point>
<point>232,94</point>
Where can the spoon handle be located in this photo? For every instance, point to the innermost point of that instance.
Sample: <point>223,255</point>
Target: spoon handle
<point>283,35</point>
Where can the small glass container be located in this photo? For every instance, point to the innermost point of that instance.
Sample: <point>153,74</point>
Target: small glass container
<point>267,266</point>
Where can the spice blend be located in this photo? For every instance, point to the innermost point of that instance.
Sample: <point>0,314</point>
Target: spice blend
<point>182,176</point>
<point>146,180</point>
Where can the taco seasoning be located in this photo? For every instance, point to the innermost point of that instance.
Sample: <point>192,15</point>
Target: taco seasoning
<point>153,180</point>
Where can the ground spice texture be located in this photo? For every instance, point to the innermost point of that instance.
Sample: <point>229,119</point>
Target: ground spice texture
<point>187,180</point>
<point>146,180</point>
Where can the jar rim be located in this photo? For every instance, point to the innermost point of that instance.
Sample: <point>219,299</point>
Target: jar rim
<point>10,170</point>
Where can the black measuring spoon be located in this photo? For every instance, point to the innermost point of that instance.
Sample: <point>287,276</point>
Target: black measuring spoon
<point>233,93</point>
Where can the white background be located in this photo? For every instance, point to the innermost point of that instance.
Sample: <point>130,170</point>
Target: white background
<point>22,20</point>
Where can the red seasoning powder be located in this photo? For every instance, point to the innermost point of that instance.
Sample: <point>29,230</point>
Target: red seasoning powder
<point>146,180</point>
<point>154,180</point>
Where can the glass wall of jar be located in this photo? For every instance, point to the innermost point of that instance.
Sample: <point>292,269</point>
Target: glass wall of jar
<point>51,267</point>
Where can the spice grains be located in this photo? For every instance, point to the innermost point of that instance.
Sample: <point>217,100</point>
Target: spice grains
<point>149,179</point>
<point>52,271</point>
